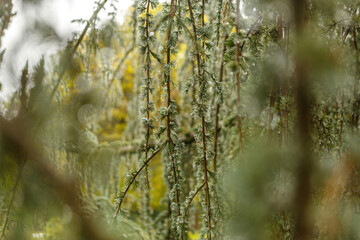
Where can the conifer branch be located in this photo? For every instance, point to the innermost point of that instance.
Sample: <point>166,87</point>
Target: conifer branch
<point>238,83</point>
<point>74,49</point>
<point>217,108</point>
<point>133,177</point>
<point>70,56</point>
<point>249,32</point>
<point>356,104</point>
<point>169,105</point>
<point>202,81</point>
<point>218,23</point>
<point>189,203</point>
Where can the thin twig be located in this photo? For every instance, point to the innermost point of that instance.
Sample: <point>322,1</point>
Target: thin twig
<point>168,116</point>
<point>77,44</point>
<point>238,82</point>
<point>355,115</point>
<point>66,63</point>
<point>203,123</point>
<point>148,65</point>
<point>136,174</point>
<point>249,33</point>
<point>217,109</point>
<point>189,203</point>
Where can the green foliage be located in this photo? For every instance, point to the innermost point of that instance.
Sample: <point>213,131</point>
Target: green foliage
<point>225,123</point>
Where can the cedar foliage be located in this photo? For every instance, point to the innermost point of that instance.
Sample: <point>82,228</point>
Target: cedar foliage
<point>195,119</point>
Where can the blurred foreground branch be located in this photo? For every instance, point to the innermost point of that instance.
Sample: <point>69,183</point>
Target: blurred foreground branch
<point>66,187</point>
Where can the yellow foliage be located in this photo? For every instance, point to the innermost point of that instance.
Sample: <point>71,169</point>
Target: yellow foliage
<point>158,190</point>
<point>194,236</point>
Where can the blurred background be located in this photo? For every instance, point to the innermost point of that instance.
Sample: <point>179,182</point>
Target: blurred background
<point>23,44</point>
<point>196,119</point>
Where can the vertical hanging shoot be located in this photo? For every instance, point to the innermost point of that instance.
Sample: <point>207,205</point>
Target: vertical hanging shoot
<point>168,112</point>
<point>238,80</point>
<point>146,42</point>
<point>202,46</point>
<point>219,88</point>
<point>147,39</point>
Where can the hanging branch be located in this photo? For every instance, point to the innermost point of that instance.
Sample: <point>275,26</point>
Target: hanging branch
<point>145,49</point>
<point>356,104</point>
<point>249,32</point>
<point>202,96</point>
<point>203,129</point>
<point>170,106</point>
<point>73,51</point>
<point>238,83</point>
<point>189,201</point>
<point>218,23</point>
<point>67,62</point>
<point>134,175</point>
<point>217,108</point>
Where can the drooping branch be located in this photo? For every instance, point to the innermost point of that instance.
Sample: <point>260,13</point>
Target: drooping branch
<point>238,83</point>
<point>134,176</point>
<point>74,49</point>
<point>169,108</point>
<point>356,104</point>
<point>217,108</point>
<point>218,21</point>
<point>148,79</point>
<point>249,32</point>
<point>202,94</point>
<point>189,203</point>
